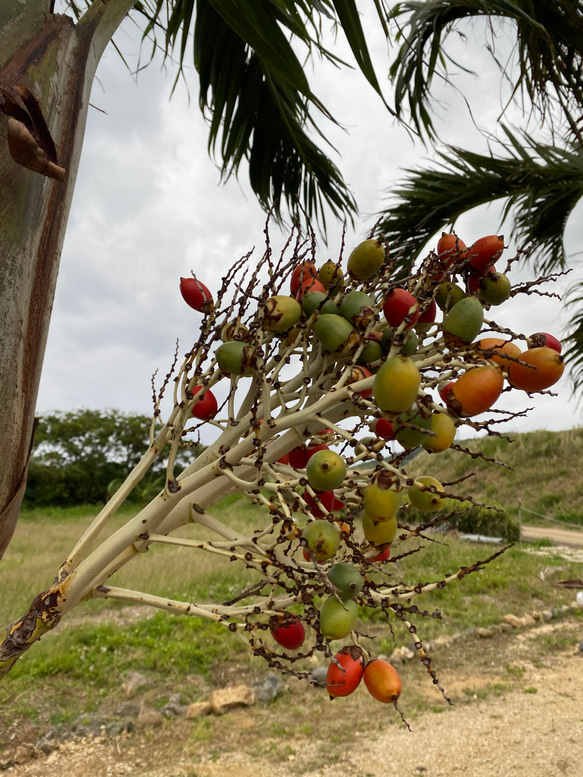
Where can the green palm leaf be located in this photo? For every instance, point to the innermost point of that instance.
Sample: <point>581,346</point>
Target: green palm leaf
<point>539,184</point>
<point>255,93</point>
<point>549,36</point>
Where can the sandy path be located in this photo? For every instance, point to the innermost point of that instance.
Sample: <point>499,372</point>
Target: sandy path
<point>535,734</point>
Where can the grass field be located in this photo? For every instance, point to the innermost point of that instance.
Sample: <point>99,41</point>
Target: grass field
<point>77,667</point>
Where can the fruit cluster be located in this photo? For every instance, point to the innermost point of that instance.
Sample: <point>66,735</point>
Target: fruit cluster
<point>319,382</point>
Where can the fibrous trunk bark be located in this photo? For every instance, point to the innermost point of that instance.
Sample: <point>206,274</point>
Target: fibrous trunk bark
<point>47,67</point>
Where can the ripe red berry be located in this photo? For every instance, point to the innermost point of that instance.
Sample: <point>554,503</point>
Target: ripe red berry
<point>290,634</point>
<point>400,304</point>
<point>206,407</point>
<point>345,672</point>
<point>196,294</point>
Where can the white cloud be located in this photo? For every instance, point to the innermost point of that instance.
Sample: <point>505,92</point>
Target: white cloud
<point>149,208</point>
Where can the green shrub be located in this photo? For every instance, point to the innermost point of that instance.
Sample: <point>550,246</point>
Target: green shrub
<point>490,522</point>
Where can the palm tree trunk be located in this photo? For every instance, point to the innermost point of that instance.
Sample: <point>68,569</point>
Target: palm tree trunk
<point>47,67</point>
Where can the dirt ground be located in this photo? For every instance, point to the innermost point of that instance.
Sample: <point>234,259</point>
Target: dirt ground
<point>518,710</point>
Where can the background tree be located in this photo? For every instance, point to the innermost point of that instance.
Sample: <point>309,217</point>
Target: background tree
<point>79,457</point>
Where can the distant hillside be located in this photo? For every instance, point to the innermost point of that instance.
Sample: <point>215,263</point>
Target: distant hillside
<point>544,472</point>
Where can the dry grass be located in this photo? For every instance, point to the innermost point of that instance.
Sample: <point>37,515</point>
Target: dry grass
<point>541,472</point>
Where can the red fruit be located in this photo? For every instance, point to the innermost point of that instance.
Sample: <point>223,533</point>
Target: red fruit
<point>444,390</point>
<point>321,446</point>
<point>475,278</point>
<point>309,284</point>
<point>284,459</point>
<point>384,428</point>
<point>384,555</point>
<point>540,339</point>
<point>382,681</point>
<point>301,274</point>
<point>345,672</point>
<point>337,507</point>
<point>196,294</point>
<point>326,499</point>
<point>485,252</point>
<point>206,407</point>
<point>398,305</point>
<point>358,372</point>
<point>298,457</point>
<point>428,315</point>
<point>290,634</point>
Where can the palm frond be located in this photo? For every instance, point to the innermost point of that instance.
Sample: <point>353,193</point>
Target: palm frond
<point>540,184</point>
<point>574,339</point>
<point>255,93</point>
<point>549,43</point>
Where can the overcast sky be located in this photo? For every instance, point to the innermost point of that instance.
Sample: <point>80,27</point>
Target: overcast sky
<point>149,208</point>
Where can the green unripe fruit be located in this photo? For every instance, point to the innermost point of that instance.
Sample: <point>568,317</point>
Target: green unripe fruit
<point>281,313</point>
<point>358,308</point>
<point>379,532</point>
<point>336,334</point>
<point>424,499</point>
<point>318,300</point>
<point>326,470</point>
<point>366,260</point>
<point>410,343</point>
<point>396,384</point>
<point>372,352</point>
<point>447,294</point>
<point>495,288</point>
<point>337,619</point>
<point>463,322</point>
<point>347,579</point>
<point>323,539</point>
<point>236,358</point>
<point>412,437</point>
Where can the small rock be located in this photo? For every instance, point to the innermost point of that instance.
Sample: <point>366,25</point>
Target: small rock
<point>580,646</point>
<point>513,620</point>
<point>173,707</point>
<point>24,753</point>
<point>441,642</point>
<point>45,747</point>
<point>484,633</point>
<point>400,655</point>
<point>547,615</point>
<point>268,689</point>
<point>149,718</point>
<point>197,710</point>
<point>537,615</point>
<point>225,699</point>
<point>319,675</point>
<point>528,620</point>
<point>128,709</point>
<point>505,627</point>
<point>134,682</point>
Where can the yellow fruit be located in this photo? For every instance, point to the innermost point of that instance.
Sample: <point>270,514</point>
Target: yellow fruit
<point>366,259</point>
<point>381,500</point>
<point>444,429</point>
<point>379,532</point>
<point>396,384</point>
<point>424,494</point>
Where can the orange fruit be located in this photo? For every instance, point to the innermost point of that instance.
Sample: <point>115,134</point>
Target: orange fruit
<point>542,368</point>
<point>497,350</point>
<point>382,681</point>
<point>476,390</point>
